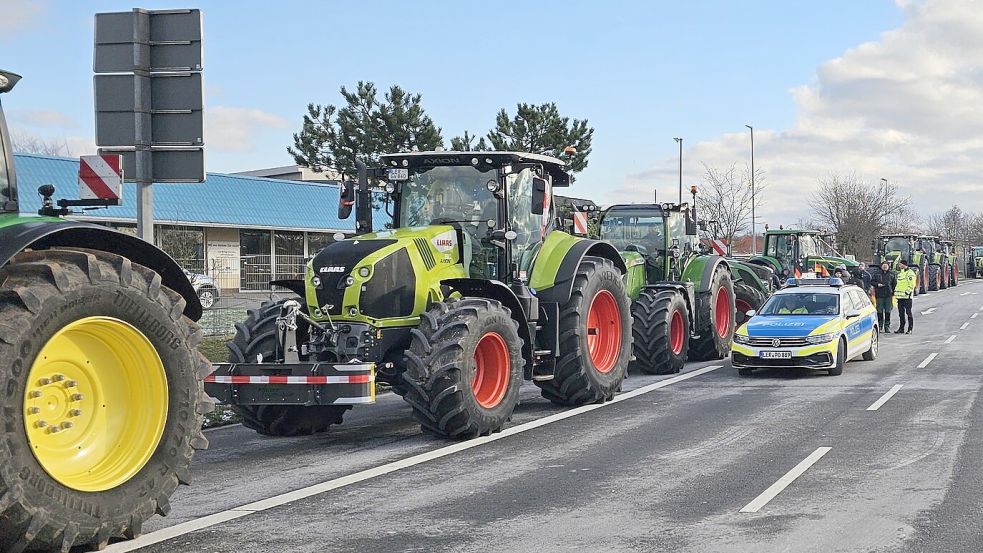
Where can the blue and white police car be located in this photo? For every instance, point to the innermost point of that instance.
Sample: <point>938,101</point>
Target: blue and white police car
<point>814,324</point>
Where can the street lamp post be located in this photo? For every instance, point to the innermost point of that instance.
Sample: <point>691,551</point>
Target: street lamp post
<point>680,141</point>
<point>754,231</point>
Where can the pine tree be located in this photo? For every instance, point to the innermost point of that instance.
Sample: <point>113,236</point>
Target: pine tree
<point>467,143</point>
<point>365,128</point>
<point>541,130</point>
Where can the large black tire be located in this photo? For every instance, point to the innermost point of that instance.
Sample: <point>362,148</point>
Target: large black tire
<point>660,327</point>
<point>746,298</point>
<point>464,368</point>
<point>714,340</point>
<point>41,292</point>
<point>953,275</point>
<point>944,276</point>
<point>577,380</point>
<point>934,272</point>
<point>922,279</point>
<point>257,336</point>
<point>871,354</point>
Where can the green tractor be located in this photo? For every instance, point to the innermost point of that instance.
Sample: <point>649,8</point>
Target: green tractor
<point>470,290</point>
<point>794,253</point>
<point>950,265</point>
<point>974,265</point>
<point>102,385</point>
<point>683,300</point>
<point>892,248</point>
<point>937,273</point>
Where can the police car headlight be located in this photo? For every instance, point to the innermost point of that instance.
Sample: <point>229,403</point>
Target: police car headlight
<point>820,338</point>
<point>741,339</point>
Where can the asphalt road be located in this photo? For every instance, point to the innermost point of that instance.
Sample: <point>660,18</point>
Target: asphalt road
<point>704,461</point>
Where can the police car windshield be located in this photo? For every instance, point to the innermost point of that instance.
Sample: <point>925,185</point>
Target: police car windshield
<point>447,194</point>
<point>802,303</point>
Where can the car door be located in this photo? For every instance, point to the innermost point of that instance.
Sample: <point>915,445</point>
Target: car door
<point>867,319</point>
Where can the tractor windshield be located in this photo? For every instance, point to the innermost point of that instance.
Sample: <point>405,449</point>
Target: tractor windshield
<point>781,247</point>
<point>627,228</point>
<point>448,194</point>
<point>898,244</point>
<point>809,246</point>
<point>978,251</point>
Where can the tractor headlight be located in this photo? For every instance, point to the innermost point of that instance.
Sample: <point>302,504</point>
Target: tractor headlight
<point>821,338</point>
<point>390,188</point>
<point>492,186</point>
<point>742,339</point>
<point>349,280</point>
<point>364,272</point>
<point>316,281</point>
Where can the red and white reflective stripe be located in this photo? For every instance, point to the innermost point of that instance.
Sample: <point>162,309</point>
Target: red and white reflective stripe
<point>239,379</point>
<point>719,246</point>
<point>100,177</point>
<point>580,223</point>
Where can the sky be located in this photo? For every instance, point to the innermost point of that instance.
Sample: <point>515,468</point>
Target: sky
<point>878,88</point>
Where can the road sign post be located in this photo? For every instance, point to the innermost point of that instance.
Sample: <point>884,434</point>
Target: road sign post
<point>148,99</point>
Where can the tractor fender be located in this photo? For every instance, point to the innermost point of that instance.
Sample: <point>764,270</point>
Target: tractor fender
<point>684,288</point>
<point>700,270</point>
<point>557,263</point>
<point>500,292</point>
<point>52,233</point>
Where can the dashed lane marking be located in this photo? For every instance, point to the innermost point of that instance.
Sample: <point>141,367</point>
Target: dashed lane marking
<point>883,399</point>
<point>927,360</point>
<point>949,339</point>
<point>783,482</point>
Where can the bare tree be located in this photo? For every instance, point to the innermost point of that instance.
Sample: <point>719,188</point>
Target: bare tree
<point>725,197</point>
<point>856,210</point>
<point>24,143</point>
<point>951,225</point>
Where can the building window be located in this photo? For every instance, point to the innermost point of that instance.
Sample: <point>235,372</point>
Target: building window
<point>289,261</point>
<point>317,241</point>
<point>185,244</point>
<point>255,260</point>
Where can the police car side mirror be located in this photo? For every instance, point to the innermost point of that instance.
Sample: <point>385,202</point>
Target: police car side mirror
<point>852,314</point>
<point>750,313</point>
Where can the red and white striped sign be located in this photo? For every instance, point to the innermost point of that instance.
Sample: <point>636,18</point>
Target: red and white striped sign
<point>580,223</point>
<point>719,246</point>
<point>101,177</point>
<point>309,380</point>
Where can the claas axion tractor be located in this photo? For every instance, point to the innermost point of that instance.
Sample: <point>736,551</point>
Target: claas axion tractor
<point>684,300</point>
<point>100,381</point>
<point>469,291</point>
<point>892,248</point>
<point>974,264</point>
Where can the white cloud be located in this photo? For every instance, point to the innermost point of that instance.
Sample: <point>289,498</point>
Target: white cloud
<point>233,129</point>
<point>906,107</point>
<point>17,14</point>
<point>47,118</point>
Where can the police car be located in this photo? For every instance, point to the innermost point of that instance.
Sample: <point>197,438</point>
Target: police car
<point>814,324</point>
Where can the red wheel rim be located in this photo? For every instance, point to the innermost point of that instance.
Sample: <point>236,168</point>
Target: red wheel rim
<point>491,370</point>
<point>721,312</point>
<point>677,332</point>
<point>604,331</point>
<point>742,308</point>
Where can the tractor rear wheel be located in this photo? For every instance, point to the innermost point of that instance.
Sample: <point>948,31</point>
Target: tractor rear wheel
<point>102,398</point>
<point>595,337</point>
<point>464,368</point>
<point>953,275</point>
<point>934,274</point>
<point>746,298</point>
<point>256,336</point>
<point>715,337</point>
<point>922,279</point>
<point>660,327</point>
<point>943,277</point>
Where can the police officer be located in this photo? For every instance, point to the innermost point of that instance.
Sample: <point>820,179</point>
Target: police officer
<point>793,306</point>
<point>904,291</point>
<point>884,284</point>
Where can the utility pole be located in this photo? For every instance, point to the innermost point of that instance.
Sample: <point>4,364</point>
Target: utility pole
<point>754,228</point>
<point>680,141</point>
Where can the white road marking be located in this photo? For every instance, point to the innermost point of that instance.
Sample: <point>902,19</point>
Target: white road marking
<point>883,399</point>
<point>950,339</point>
<point>929,311</point>
<point>296,495</point>
<point>973,316</point>
<point>783,482</point>
<point>927,360</point>
<point>963,327</point>
<point>968,294</point>
<point>214,428</point>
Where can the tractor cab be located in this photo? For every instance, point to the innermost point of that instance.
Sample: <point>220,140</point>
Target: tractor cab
<point>929,245</point>
<point>663,235</point>
<point>894,247</point>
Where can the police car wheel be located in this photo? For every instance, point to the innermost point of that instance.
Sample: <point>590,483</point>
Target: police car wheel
<point>871,354</point>
<point>840,359</point>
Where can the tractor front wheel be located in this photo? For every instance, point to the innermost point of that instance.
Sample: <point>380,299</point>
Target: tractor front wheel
<point>464,368</point>
<point>256,338</point>
<point>715,337</point>
<point>661,331</point>
<point>595,337</point>
<point>102,398</point>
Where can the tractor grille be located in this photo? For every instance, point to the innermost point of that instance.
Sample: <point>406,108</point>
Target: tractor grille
<point>391,292</point>
<point>424,248</point>
<point>765,342</point>
<point>334,263</point>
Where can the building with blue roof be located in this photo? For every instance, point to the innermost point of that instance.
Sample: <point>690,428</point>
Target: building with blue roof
<point>241,230</point>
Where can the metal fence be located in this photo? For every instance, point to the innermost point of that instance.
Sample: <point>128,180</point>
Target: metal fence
<point>247,273</point>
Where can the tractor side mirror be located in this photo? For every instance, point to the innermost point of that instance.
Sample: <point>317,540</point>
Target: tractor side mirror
<point>539,191</point>
<point>346,199</point>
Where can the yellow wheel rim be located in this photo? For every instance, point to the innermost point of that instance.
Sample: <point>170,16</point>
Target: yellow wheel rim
<point>95,404</point>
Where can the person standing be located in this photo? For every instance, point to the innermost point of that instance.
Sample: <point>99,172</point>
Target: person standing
<point>884,284</point>
<point>864,277</point>
<point>904,291</point>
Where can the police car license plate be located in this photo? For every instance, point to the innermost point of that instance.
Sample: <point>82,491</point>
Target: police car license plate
<point>775,354</point>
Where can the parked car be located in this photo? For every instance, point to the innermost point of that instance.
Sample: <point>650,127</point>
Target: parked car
<point>205,287</point>
<point>814,324</point>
